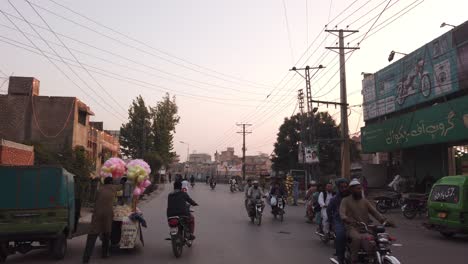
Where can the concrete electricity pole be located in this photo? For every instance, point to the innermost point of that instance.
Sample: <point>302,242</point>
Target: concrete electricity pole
<point>243,132</point>
<point>345,152</point>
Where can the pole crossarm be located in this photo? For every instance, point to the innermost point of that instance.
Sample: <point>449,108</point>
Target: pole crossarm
<point>329,103</point>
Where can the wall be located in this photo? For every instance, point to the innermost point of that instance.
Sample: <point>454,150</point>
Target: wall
<point>12,153</point>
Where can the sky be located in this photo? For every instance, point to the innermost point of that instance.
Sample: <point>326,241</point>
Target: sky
<point>227,62</point>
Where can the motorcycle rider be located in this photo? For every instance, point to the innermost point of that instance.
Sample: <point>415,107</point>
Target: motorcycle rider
<point>334,217</point>
<point>324,200</point>
<point>192,180</point>
<point>212,181</point>
<point>278,192</point>
<point>310,202</point>
<point>185,185</point>
<point>247,200</point>
<point>353,210</point>
<point>254,194</point>
<point>178,205</point>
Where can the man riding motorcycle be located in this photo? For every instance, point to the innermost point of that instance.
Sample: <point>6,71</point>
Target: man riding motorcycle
<point>353,210</point>
<point>247,200</point>
<point>212,182</point>
<point>178,205</point>
<point>277,191</point>
<point>310,201</point>
<point>335,219</point>
<point>254,194</point>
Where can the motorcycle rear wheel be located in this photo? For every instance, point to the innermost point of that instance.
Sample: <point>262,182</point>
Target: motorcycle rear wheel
<point>281,217</point>
<point>380,206</point>
<point>258,220</point>
<point>177,246</point>
<point>409,213</point>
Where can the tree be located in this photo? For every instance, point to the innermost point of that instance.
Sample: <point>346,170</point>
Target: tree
<point>289,136</point>
<point>165,119</point>
<point>135,136</point>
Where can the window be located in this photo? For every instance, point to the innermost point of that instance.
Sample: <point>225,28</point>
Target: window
<point>445,194</point>
<point>82,117</point>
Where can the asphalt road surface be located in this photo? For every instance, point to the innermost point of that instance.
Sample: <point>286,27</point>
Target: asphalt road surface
<point>225,235</point>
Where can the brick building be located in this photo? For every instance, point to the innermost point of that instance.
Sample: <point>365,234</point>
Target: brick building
<point>58,123</point>
<point>12,153</point>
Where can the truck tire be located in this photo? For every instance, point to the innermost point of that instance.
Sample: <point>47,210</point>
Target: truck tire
<point>58,247</point>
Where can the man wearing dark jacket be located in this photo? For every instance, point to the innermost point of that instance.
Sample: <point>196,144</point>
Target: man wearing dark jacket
<point>333,211</point>
<point>178,205</point>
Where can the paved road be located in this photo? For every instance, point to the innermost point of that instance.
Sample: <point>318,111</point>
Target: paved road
<point>225,235</point>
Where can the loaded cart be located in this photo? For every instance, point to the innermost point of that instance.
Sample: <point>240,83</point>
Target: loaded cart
<point>126,228</point>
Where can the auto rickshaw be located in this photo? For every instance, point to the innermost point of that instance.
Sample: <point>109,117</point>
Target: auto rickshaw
<point>448,206</point>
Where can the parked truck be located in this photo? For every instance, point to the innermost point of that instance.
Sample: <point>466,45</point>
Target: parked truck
<point>37,210</point>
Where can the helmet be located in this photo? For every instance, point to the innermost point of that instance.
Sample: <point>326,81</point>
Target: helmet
<point>354,182</point>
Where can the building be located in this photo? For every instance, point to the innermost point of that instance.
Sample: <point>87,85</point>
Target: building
<point>200,158</point>
<point>58,123</point>
<point>12,153</point>
<point>415,110</point>
<point>258,165</point>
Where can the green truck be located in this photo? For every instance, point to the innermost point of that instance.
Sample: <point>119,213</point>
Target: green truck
<point>37,209</point>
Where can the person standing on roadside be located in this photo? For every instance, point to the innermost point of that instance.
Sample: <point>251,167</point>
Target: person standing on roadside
<point>101,222</point>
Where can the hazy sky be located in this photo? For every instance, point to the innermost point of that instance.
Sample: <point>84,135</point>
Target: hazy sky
<point>220,58</point>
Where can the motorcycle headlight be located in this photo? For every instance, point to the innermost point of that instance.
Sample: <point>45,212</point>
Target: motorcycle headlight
<point>383,238</point>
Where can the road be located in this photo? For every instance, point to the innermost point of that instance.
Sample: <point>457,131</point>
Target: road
<point>225,235</point>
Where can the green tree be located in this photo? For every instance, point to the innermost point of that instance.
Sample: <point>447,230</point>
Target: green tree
<point>135,136</point>
<point>326,133</point>
<point>165,119</point>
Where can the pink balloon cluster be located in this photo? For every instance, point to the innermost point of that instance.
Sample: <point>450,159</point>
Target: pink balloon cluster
<point>138,173</point>
<point>113,167</point>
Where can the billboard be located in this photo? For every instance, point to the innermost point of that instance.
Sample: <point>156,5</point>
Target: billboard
<point>436,69</point>
<point>311,154</point>
<point>441,123</point>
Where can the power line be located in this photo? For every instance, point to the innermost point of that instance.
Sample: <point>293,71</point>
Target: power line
<point>149,46</point>
<point>138,63</point>
<point>288,30</point>
<point>76,59</point>
<point>55,65</point>
<point>139,49</point>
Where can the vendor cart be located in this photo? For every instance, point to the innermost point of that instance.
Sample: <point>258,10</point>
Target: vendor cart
<point>126,233</point>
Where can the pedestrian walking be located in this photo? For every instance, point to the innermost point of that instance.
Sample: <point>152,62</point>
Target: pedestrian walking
<point>295,191</point>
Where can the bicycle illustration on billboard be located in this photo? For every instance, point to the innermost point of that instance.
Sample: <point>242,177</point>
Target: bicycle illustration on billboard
<point>417,81</point>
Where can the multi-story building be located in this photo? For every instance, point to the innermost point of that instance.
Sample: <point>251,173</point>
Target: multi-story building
<point>57,123</point>
<point>12,153</point>
<point>200,158</point>
<point>258,165</point>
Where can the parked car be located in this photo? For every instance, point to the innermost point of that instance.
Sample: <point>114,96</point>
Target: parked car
<point>37,205</point>
<point>448,206</point>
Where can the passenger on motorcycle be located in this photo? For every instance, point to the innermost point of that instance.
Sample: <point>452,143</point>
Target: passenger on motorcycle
<point>311,189</point>
<point>355,209</point>
<point>335,219</point>
<point>247,200</point>
<point>254,194</point>
<point>324,200</point>
<point>276,191</point>
<point>178,204</point>
<point>185,185</point>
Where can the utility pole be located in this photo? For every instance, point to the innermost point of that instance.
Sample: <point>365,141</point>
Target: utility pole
<point>345,152</point>
<point>300,98</point>
<point>243,132</point>
<point>310,109</point>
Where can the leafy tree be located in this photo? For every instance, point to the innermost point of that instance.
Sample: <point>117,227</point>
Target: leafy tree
<point>135,136</point>
<point>289,136</point>
<point>165,119</point>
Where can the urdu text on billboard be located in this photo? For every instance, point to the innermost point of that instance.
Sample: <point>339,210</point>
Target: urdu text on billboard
<point>436,69</point>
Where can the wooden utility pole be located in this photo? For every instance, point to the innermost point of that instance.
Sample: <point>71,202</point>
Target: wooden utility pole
<point>345,152</point>
<point>243,132</point>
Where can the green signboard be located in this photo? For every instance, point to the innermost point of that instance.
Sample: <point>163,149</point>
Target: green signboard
<point>436,69</point>
<point>441,123</point>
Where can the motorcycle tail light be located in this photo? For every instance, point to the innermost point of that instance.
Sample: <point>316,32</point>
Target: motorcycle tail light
<point>391,238</point>
<point>173,222</point>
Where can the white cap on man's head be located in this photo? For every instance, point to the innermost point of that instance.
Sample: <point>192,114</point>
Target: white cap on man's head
<point>354,182</point>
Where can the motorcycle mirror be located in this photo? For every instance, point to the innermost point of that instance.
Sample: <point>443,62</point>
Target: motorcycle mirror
<point>334,261</point>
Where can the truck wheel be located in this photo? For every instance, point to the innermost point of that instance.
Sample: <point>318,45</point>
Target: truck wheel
<point>448,234</point>
<point>58,247</point>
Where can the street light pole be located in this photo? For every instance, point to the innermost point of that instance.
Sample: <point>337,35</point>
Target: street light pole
<point>188,149</point>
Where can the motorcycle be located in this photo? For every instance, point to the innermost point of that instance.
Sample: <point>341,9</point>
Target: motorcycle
<point>256,212</point>
<point>192,184</point>
<point>419,81</point>
<point>180,234</point>
<point>414,206</point>
<point>388,201</point>
<point>325,238</point>
<point>212,185</point>
<point>233,187</point>
<point>379,251</point>
<point>277,207</point>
